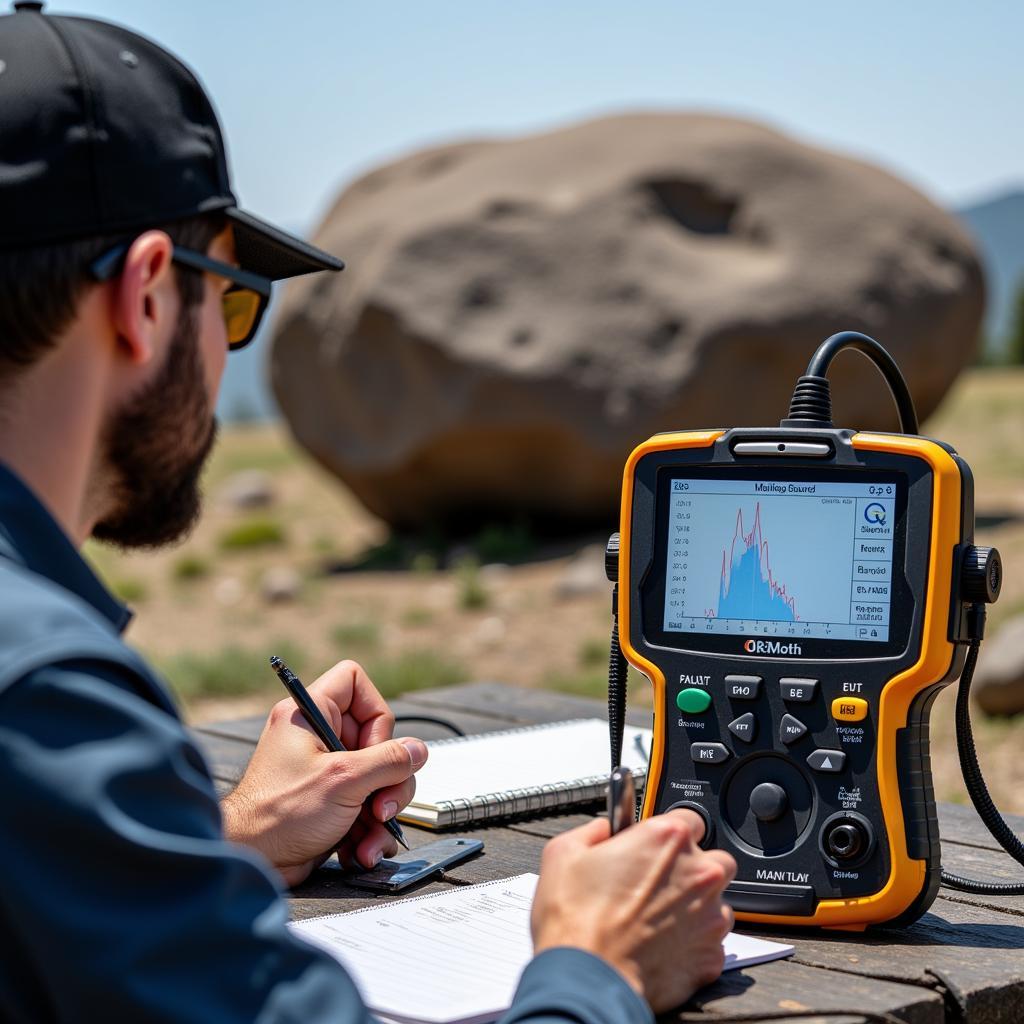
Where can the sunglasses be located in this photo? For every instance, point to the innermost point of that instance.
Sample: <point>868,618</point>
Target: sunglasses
<point>243,304</point>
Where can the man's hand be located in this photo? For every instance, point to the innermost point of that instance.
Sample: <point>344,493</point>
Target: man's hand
<point>648,901</point>
<point>297,801</point>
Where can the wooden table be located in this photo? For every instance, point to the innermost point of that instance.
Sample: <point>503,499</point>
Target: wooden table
<point>962,962</point>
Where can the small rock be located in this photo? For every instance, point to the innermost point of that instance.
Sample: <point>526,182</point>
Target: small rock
<point>999,679</point>
<point>280,584</point>
<point>228,591</point>
<point>584,575</point>
<point>249,488</point>
<point>490,632</point>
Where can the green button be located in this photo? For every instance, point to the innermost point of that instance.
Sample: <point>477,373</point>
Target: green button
<point>693,701</point>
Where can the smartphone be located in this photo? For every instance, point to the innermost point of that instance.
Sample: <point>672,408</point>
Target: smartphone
<point>411,866</point>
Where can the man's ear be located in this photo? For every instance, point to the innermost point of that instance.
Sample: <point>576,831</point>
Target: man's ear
<point>146,299</point>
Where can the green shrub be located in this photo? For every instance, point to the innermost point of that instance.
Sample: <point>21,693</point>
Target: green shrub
<point>593,652</point>
<point>258,532</point>
<point>424,562</point>
<point>417,616</point>
<point>504,543</point>
<point>473,594</point>
<point>190,567</point>
<point>129,589</point>
<point>414,670</point>
<point>232,671</point>
<point>363,636</point>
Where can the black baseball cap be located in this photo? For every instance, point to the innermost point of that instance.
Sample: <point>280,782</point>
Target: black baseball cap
<point>102,132</point>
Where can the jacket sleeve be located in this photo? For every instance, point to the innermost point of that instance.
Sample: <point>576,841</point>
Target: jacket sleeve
<point>569,986</point>
<point>120,893</point>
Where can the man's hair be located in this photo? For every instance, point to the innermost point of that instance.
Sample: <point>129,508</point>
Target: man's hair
<point>40,287</point>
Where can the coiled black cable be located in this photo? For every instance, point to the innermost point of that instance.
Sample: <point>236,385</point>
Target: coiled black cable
<point>617,676</point>
<point>979,793</point>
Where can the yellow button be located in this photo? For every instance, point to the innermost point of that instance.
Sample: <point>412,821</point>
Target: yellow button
<point>849,709</point>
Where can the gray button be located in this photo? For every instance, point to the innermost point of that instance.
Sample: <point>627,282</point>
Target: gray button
<point>807,449</point>
<point>791,729</point>
<point>743,687</point>
<point>802,691</point>
<point>744,727</point>
<point>827,760</point>
<point>709,753</point>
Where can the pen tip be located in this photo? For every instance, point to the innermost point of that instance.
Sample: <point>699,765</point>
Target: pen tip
<point>275,662</point>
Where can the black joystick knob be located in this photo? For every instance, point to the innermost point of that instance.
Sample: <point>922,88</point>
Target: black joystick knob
<point>981,576</point>
<point>845,842</point>
<point>611,558</point>
<point>769,801</point>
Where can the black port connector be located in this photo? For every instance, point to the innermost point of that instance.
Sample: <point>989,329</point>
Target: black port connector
<point>845,842</point>
<point>847,839</point>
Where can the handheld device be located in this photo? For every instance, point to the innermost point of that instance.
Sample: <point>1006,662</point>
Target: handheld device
<point>394,874</point>
<point>798,596</point>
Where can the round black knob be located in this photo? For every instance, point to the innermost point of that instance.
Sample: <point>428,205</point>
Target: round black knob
<point>845,842</point>
<point>769,801</point>
<point>981,576</point>
<point>611,558</point>
<point>28,5</point>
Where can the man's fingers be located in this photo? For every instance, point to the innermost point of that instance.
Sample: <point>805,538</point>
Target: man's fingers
<point>375,845</point>
<point>388,802</point>
<point>358,773</point>
<point>349,687</point>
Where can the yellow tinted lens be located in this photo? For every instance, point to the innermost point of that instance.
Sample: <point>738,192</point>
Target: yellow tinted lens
<point>241,307</point>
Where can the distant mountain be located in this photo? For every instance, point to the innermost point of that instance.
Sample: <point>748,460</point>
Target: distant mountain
<point>998,226</point>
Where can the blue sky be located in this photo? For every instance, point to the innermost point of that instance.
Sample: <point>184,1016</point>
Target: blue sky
<point>312,93</point>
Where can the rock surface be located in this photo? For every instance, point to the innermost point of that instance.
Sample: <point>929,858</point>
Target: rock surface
<point>999,678</point>
<point>517,315</point>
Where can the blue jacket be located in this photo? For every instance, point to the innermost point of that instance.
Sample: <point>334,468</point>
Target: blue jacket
<point>119,897</point>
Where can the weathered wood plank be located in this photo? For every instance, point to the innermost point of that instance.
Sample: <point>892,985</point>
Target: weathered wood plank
<point>959,823</point>
<point>785,985</point>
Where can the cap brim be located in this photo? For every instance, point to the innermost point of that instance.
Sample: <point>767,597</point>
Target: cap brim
<point>273,253</point>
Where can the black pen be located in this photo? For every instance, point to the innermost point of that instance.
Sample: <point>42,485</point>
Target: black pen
<point>621,800</point>
<point>320,725</point>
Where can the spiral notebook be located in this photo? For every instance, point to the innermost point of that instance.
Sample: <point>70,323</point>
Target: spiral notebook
<point>520,771</point>
<point>455,957</point>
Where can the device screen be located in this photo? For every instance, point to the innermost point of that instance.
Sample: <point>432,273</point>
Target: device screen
<point>799,558</point>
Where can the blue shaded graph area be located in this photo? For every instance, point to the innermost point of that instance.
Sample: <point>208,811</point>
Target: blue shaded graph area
<point>747,589</point>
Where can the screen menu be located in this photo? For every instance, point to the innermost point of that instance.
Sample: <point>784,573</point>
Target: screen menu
<point>782,558</point>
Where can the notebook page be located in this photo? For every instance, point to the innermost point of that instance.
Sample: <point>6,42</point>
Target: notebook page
<point>456,955</point>
<point>450,956</point>
<point>521,758</point>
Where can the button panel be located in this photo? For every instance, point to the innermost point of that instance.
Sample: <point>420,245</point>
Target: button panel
<point>797,690</point>
<point>693,701</point>
<point>744,727</point>
<point>743,687</point>
<point>709,753</point>
<point>827,760</point>
<point>849,709</point>
<point>791,729</point>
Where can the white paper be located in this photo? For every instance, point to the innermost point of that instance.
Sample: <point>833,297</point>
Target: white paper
<point>455,956</point>
<point>519,759</point>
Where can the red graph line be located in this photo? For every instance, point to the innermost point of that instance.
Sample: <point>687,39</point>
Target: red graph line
<point>750,540</point>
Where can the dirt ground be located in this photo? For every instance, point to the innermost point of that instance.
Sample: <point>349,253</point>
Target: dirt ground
<point>203,617</point>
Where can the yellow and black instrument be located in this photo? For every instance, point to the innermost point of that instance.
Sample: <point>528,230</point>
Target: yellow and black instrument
<point>798,596</point>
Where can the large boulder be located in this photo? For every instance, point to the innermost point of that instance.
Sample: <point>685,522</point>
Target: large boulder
<point>517,315</point>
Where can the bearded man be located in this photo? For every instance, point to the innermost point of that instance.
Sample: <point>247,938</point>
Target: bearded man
<point>129,893</point>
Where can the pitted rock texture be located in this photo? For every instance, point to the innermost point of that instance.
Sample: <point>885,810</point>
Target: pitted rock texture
<point>517,315</point>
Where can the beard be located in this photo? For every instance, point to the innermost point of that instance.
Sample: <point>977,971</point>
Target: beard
<point>155,448</point>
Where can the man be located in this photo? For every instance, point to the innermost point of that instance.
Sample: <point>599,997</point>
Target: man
<point>126,272</point>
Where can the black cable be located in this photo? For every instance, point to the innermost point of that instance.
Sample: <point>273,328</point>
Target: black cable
<point>444,723</point>
<point>811,404</point>
<point>617,675</point>
<point>979,793</point>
